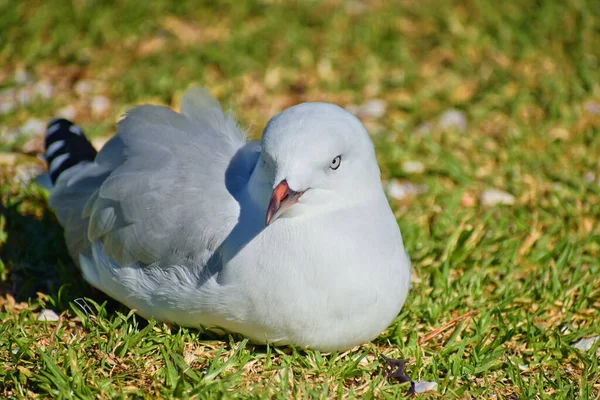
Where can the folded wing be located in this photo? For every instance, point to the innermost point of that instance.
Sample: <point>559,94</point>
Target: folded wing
<point>157,192</point>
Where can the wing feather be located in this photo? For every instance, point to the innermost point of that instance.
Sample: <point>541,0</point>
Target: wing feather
<point>157,191</point>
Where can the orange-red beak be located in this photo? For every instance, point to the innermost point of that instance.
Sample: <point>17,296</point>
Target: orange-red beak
<point>281,199</point>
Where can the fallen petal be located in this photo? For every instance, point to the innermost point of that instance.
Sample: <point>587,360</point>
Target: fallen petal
<point>67,112</point>
<point>100,106</point>
<point>371,109</point>
<point>413,167</point>
<point>47,315</point>
<point>400,190</point>
<point>585,344</point>
<point>425,386</point>
<point>33,126</point>
<point>491,197</point>
<point>453,120</point>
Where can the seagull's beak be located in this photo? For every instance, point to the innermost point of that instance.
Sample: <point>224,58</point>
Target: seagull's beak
<point>282,198</point>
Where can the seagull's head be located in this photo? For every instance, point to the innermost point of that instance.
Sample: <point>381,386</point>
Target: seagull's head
<point>316,155</point>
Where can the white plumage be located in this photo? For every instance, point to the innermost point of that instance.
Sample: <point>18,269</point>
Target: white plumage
<point>170,220</point>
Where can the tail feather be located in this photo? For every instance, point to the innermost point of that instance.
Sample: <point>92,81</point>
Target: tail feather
<point>66,146</point>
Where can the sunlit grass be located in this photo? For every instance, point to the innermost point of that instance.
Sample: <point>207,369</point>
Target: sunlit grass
<point>500,293</point>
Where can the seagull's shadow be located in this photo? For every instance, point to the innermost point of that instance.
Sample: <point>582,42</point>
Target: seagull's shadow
<point>35,256</point>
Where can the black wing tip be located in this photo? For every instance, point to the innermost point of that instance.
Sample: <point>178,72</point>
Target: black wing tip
<point>66,146</point>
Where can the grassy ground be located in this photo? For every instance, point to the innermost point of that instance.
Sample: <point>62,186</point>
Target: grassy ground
<point>500,292</point>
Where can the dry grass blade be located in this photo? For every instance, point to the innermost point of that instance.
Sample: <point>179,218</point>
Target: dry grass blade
<point>455,321</point>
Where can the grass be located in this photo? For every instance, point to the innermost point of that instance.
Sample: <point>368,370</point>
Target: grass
<point>500,293</point>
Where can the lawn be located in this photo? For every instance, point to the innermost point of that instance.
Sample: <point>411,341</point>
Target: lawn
<point>486,119</point>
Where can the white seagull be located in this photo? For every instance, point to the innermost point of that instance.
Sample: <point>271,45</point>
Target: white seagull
<point>286,240</point>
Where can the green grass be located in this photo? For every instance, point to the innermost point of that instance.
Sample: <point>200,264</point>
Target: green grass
<point>500,293</point>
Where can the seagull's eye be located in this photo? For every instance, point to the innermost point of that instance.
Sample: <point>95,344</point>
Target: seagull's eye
<point>335,163</point>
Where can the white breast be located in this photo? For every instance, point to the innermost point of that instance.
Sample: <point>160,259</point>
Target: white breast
<point>311,282</point>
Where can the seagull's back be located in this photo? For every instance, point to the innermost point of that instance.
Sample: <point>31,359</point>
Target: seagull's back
<point>155,191</point>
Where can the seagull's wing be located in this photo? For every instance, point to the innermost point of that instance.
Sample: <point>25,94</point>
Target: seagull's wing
<point>157,192</point>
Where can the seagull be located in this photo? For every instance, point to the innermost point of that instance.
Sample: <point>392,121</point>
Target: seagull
<point>289,240</point>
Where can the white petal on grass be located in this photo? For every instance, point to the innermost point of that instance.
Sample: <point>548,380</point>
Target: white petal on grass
<point>585,344</point>
<point>189,357</point>
<point>425,386</point>
<point>68,112</point>
<point>371,109</point>
<point>400,190</point>
<point>100,105</point>
<point>453,120</point>
<point>413,167</point>
<point>33,126</point>
<point>592,107</point>
<point>83,87</point>
<point>47,315</point>
<point>43,89</point>
<point>592,178</point>
<point>492,197</point>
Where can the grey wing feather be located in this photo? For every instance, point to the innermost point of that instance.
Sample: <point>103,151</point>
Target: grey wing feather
<point>199,104</point>
<point>68,198</point>
<point>159,195</point>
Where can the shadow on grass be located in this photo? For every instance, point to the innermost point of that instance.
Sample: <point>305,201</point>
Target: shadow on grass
<point>36,259</point>
<point>35,255</point>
